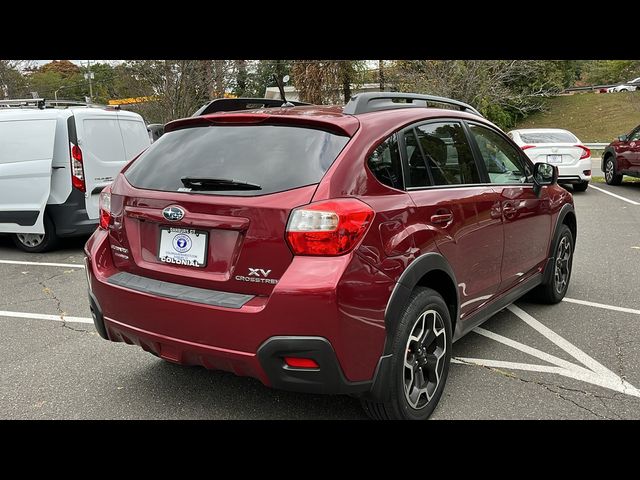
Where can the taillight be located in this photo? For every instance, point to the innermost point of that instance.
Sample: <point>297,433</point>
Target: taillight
<point>586,153</point>
<point>329,227</point>
<point>527,147</point>
<point>105,208</point>
<point>77,168</point>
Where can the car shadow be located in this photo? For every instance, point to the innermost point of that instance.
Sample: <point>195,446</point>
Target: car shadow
<point>195,392</point>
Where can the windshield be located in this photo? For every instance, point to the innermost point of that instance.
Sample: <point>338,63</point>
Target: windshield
<point>273,157</point>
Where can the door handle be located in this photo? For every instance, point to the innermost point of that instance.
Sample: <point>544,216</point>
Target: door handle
<point>442,217</point>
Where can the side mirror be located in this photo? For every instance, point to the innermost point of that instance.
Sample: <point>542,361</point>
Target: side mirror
<point>622,138</point>
<point>544,174</point>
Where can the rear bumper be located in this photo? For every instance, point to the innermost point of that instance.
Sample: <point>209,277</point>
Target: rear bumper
<point>70,218</point>
<point>575,173</point>
<point>310,321</point>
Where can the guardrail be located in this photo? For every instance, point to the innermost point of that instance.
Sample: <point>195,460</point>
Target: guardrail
<point>590,88</point>
<point>596,146</point>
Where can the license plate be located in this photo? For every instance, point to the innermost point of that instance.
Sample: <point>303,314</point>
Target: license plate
<point>554,158</point>
<point>183,246</point>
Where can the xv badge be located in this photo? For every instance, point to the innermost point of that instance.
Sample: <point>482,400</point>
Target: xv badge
<point>258,272</point>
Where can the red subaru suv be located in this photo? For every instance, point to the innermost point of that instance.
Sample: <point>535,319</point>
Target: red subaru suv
<point>327,249</point>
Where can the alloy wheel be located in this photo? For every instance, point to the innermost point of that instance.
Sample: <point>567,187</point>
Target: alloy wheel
<point>608,170</point>
<point>424,359</point>
<point>563,268</point>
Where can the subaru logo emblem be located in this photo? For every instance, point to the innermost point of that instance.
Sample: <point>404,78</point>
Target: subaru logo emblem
<point>173,213</point>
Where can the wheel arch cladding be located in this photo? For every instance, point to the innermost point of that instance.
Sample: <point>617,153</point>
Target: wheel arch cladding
<point>429,270</point>
<point>570,221</point>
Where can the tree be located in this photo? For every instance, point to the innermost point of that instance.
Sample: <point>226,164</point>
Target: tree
<point>12,81</point>
<point>327,81</point>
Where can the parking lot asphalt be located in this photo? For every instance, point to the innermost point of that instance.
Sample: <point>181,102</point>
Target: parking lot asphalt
<point>574,360</point>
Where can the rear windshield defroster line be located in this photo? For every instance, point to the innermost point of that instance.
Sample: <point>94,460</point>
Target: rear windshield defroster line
<point>275,157</point>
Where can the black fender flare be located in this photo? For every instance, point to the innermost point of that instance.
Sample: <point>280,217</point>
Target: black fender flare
<point>566,209</point>
<point>609,150</point>
<point>417,269</point>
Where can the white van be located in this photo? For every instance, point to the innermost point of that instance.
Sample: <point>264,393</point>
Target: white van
<point>53,164</point>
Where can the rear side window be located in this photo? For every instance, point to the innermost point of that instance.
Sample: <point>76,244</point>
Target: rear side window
<point>26,140</point>
<point>385,163</point>
<point>274,157</point>
<point>548,137</point>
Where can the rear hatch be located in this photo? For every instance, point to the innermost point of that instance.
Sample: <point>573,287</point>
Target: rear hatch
<point>207,204</point>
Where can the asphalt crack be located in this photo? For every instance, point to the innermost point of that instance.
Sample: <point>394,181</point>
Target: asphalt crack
<point>51,294</point>
<point>547,386</point>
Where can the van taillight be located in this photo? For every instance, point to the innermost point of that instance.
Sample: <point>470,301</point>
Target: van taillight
<point>105,208</point>
<point>330,227</point>
<point>77,168</point>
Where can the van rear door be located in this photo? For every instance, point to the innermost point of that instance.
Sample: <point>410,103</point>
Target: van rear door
<point>26,153</point>
<point>104,152</point>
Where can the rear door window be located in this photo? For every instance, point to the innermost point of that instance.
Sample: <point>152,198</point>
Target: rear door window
<point>274,157</point>
<point>134,136</point>
<point>103,139</point>
<point>447,153</point>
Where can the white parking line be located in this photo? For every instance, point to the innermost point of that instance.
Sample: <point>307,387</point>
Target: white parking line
<point>42,316</point>
<point>632,202</point>
<point>44,264</point>
<point>601,305</point>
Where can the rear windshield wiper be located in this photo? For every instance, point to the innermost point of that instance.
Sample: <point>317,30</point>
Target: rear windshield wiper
<point>208,183</point>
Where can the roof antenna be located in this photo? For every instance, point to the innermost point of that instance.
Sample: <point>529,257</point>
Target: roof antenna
<point>280,83</point>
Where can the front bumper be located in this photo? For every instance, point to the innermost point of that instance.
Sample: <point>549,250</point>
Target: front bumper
<point>575,173</point>
<point>252,340</point>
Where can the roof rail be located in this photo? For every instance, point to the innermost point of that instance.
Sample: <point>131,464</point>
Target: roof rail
<point>41,103</point>
<point>233,104</point>
<point>375,101</point>
<point>24,102</point>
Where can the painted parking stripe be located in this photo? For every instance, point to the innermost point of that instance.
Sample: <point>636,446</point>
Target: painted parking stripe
<point>632,202</point>
<point>44,264</point>
<point>589,371</point>
<point>601,305</point>
<point>42,316</point>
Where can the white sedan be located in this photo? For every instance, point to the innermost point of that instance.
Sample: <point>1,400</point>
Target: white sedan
<point>629,86</point>
<point>558,147</point>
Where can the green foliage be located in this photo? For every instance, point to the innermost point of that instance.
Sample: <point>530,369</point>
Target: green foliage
<point>605,72</point>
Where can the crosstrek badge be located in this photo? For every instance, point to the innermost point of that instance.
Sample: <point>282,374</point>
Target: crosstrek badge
<point>256,275</point>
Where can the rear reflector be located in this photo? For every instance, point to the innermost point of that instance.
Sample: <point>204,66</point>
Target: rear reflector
<point>587,172</point>
<point>298,362</point>
<point>329,227</point>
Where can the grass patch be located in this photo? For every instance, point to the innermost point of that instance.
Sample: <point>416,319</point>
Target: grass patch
<point>592,117</point>
<point>625,179</point>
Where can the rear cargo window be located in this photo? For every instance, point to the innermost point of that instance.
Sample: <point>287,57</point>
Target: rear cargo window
<point>548,137</point>
<point>272,157</point>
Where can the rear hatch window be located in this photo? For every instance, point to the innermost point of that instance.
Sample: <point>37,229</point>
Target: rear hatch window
<point>548,137</point>
<point>246,160</point>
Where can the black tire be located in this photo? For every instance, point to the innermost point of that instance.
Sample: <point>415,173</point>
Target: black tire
<point>31,244</point>
<point>580,187</point>
<point>555,289</point>
<point>611,175</point>
<point>431,356</point>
